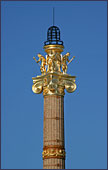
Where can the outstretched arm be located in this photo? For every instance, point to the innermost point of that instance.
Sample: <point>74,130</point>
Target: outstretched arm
<point>35,60</point>
<point>71,60</point>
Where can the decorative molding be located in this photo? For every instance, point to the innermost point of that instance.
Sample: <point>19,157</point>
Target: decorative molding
<point>53,152</point>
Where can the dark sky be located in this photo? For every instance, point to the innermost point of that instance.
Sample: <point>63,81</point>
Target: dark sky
<point>83,27</point>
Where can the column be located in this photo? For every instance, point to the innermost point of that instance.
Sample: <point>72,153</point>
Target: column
<point>53,133</point>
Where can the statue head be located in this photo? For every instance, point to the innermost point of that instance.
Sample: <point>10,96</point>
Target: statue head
<point>39,55</point>
<point>68,54</point>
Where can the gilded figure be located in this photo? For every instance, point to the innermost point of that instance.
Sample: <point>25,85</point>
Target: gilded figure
<point>64,62</point>
<point>43,63</point>
<point>50,62</point>
<point>58,62</point>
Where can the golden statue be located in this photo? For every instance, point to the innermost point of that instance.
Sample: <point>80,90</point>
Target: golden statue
<point>64,62</point>
<point>53,62</point>
<point>43,63</point>
<point>50,62</point>
<point>58,62</point>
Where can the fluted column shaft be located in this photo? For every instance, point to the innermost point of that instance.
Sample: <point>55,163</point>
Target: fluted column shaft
<point>53,133</point>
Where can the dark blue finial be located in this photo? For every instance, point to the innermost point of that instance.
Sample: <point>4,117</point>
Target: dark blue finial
<point>53,36</point>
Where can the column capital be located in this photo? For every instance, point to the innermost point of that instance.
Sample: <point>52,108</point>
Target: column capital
<point>54,83</point>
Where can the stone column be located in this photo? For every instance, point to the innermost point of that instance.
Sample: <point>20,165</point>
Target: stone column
<point>53,133</point>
